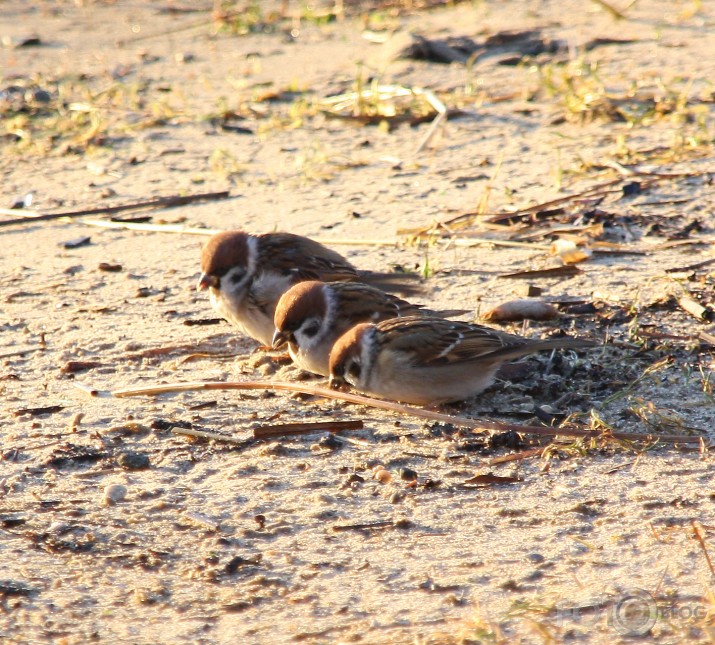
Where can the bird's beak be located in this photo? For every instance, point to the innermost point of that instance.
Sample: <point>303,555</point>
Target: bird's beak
<point>206,281</point>
<point>280,338</point>
<point>336,383</point>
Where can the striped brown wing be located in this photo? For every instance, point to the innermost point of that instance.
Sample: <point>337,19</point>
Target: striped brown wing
<point>305,259</point>
<point>435,341</point>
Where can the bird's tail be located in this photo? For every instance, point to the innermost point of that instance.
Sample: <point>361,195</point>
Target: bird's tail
<point>406,284</point>
<point>529,347</point>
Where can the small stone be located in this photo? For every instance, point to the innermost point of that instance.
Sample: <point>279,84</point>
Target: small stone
<point>184,57</point>
<point>41,96</point>
<point>109,268</point>
<point>133,460</point>
<point>408,475</point>
<point>114,493</point>
<point>266,369</point>
<point>77,242</point>
<point>383,476</point>
<point>529,291</point>
<point>329,441</point>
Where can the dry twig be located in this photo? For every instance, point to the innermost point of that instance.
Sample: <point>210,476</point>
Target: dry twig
<point>465,422</point>
<point>30,217</point>
<point>283,429</point>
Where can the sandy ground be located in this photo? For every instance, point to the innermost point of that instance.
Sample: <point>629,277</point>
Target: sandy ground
<point>595,541</point>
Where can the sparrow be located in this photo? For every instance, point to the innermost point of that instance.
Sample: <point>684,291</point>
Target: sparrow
<point>426,360</point>
<point>312,315</point>
<point>247,274</point>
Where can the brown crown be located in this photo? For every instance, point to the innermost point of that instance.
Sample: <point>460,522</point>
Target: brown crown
<point>223,251</point>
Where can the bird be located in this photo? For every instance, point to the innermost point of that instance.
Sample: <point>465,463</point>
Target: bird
<point>312,315</point>
<point>428,360</point>
<point>246,275</point>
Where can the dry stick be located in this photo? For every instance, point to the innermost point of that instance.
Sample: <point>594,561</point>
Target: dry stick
<point>315,390</point>
<point>160,202</point>
<point>691,267</point>
<point>283,429</point>
<point>701,540</point>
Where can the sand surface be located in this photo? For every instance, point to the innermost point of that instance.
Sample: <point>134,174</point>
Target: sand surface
<point>258,542</point>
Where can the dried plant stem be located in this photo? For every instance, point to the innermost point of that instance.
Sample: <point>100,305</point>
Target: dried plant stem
<point>421,413</point>
<point>517,456</point>
<point>155,228</point>
<point>187,230</point>
<point>441,116</point>
<point>609,8</point>
<point>200,434</point>
<point>701,540</point>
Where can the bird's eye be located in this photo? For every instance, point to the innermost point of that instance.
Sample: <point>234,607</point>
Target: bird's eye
<point>311,329</point>
<point>354,370</point>
<point>237,275</point>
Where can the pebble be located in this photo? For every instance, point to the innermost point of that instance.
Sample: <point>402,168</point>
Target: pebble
<point>408,475</point>
<point>383,476</point>
<point>266,369</point>
<point>114,493</point>
<point>133,460</point>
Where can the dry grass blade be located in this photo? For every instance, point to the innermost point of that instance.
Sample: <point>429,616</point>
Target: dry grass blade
<point>200,434</point>
<point>363,527</point>
<point>188,230</point>
<point>517,456</point>
<point>465,422</point>
<point>441,116</point>
<point>154,228</point>
<point>21,352</point>
<point>618,15</point>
